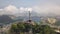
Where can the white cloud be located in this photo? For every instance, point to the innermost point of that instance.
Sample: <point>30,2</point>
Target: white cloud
<point>22,9</point>
<point>1,9</point>
<point>29,9</point>
<point>13,10</point>
<point>46,9</point>
<point>10,8</point>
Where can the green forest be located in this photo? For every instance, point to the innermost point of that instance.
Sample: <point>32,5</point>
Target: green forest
<point>27,28</point>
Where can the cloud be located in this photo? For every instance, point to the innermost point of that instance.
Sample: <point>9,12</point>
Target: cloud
<point>13,10</point>
<point>29,9</point>
<point>25,9</point>
<point>9,10</point>
<point>43,9</point>
<point>47,9</point>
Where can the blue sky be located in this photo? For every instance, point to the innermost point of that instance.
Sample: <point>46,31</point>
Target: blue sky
<point>39,6</point>
<point>18,3</point>
<point>26,3</point>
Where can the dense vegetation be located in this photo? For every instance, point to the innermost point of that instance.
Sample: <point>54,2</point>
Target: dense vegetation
<point>26,28</point>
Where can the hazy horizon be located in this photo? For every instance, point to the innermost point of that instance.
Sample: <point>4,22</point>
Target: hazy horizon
<point>20,6</point>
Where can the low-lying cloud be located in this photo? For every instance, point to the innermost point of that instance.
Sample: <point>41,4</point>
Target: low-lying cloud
<point>13,10</point>
<point>46,9</point>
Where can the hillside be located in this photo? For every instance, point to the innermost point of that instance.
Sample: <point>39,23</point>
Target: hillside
<point>5,19</point>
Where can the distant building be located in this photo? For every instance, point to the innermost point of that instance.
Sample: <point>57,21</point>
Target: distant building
<point>51,20</point>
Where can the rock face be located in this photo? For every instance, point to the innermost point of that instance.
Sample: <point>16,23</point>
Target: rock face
<point>5,19</point>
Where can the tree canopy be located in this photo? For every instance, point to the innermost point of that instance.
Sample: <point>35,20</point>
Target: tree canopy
<point>25,27</point>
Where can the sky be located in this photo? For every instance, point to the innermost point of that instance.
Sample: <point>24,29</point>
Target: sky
<point>38,6</point>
